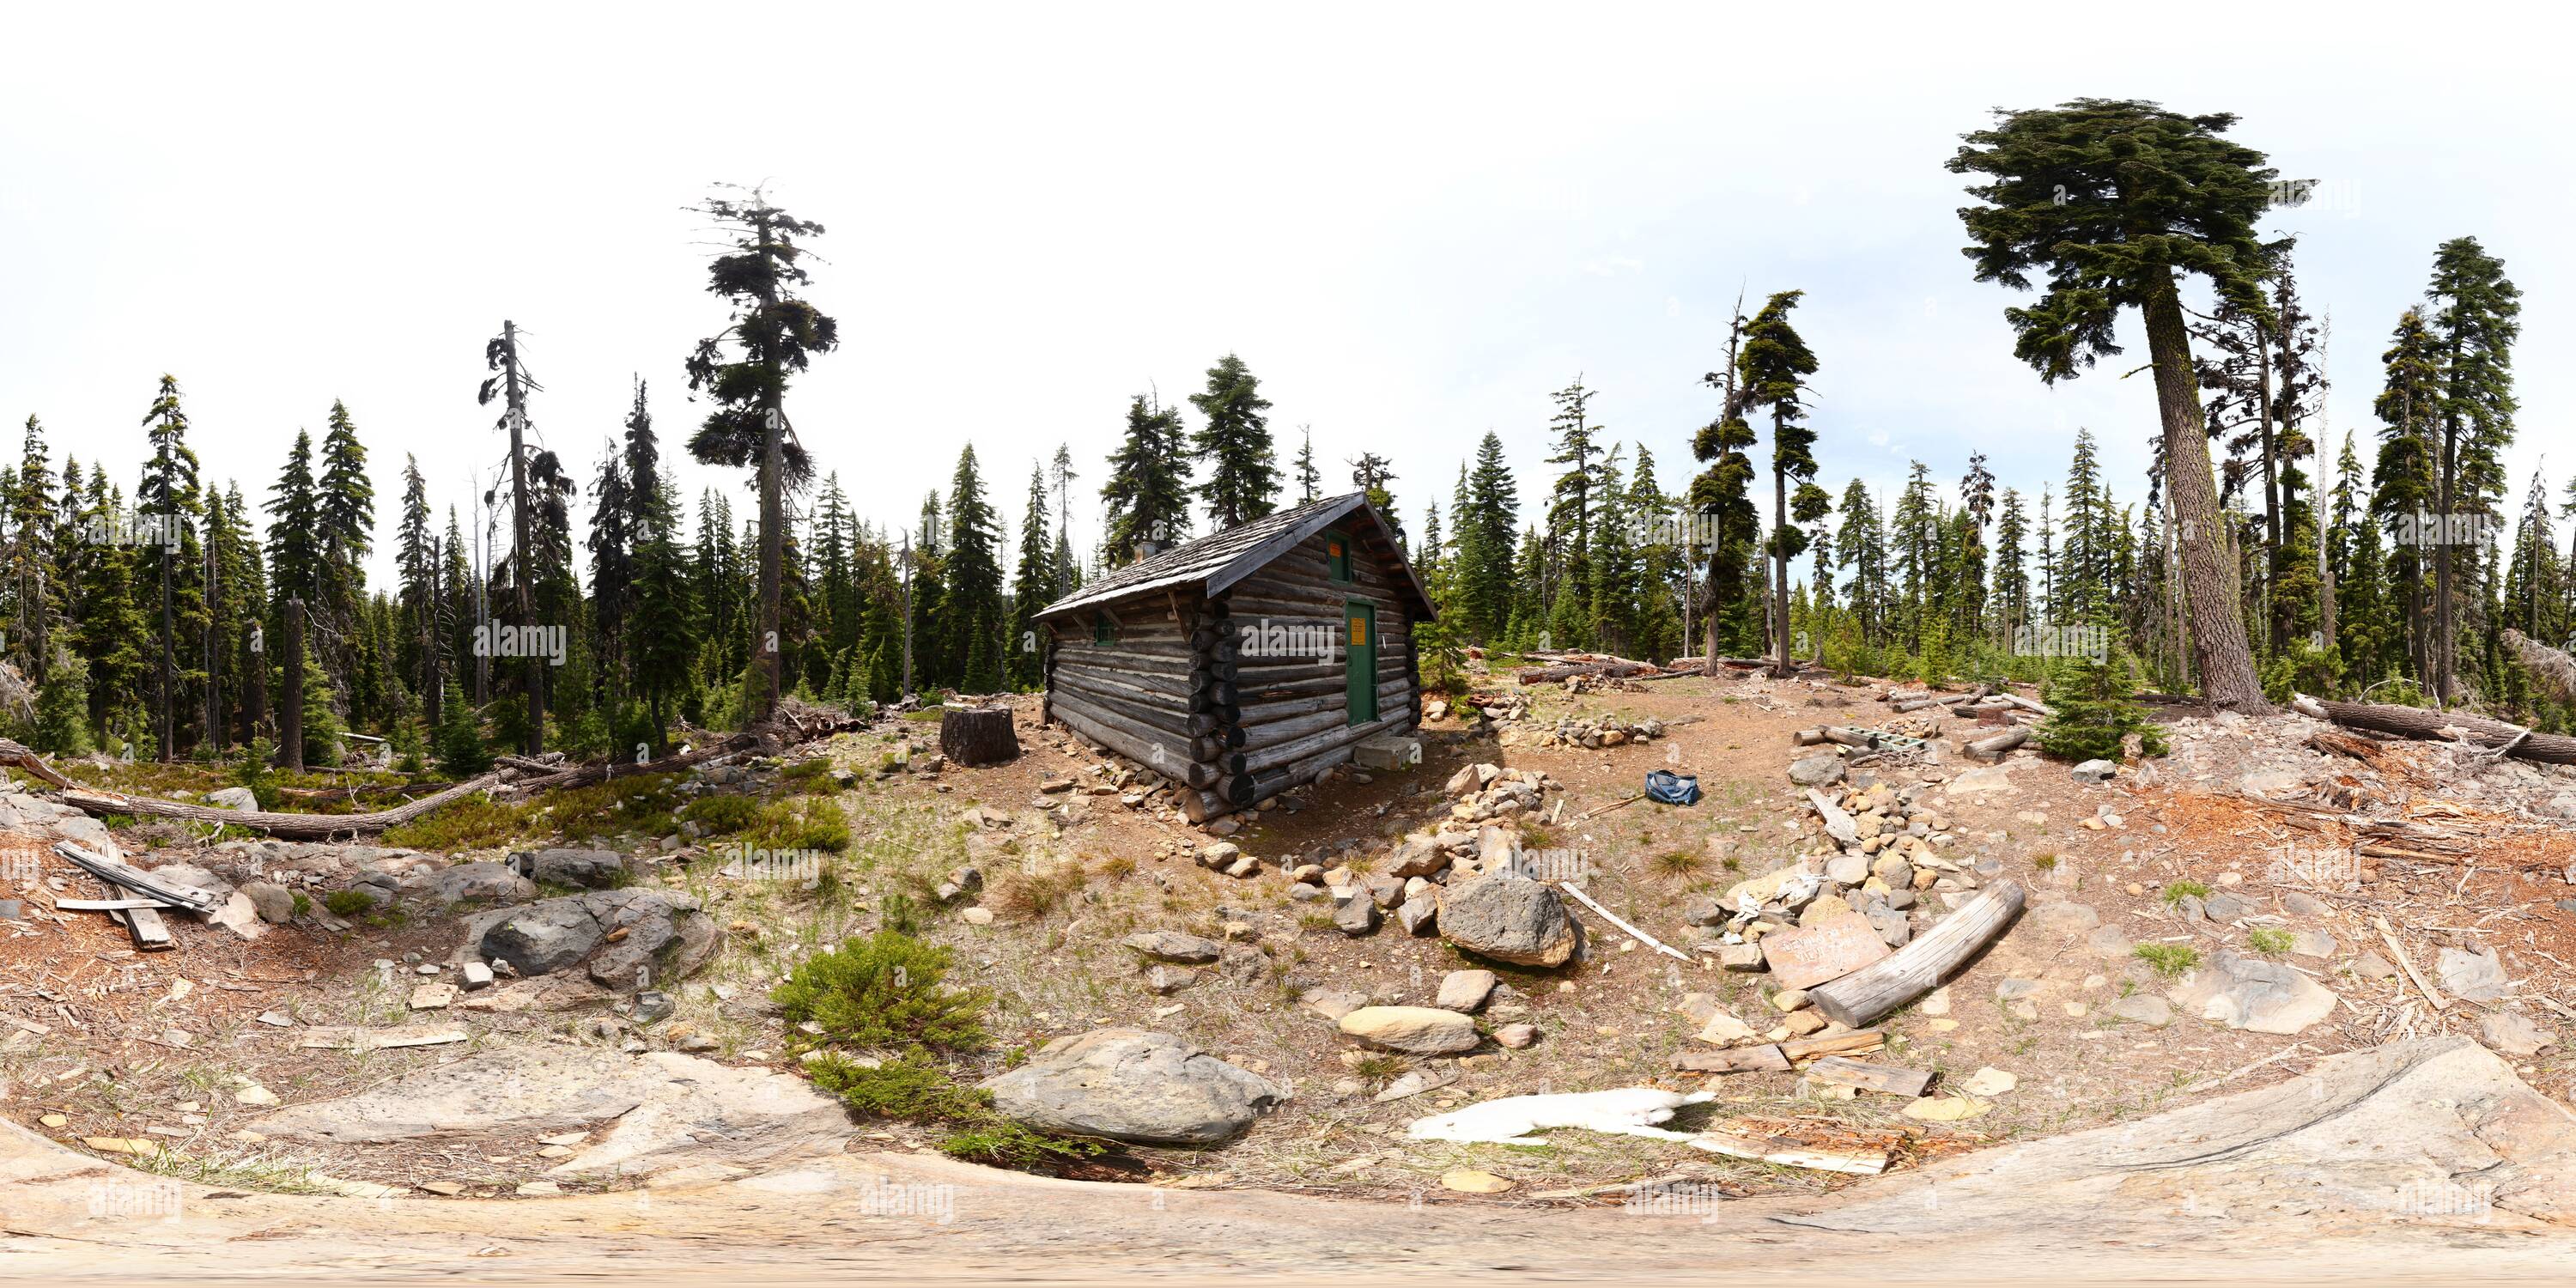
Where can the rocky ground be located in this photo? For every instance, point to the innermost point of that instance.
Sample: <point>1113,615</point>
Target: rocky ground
<point>1269,1003</point>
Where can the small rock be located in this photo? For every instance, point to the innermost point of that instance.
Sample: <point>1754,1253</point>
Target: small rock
<point>1465,990</point>
<point>2513,1033</point>
<point>433,997</point>
<point>1414,1030</point>
<point>1816,771</point>
<point>978,916</point>
<point>1174,946</point>
<point>1356,916</point>
<point>2142,1008</point>
<point>1469,1180</point>
<point>1988,1082</point>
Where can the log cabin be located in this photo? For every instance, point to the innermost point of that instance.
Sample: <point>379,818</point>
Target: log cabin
<point>1248,662</point>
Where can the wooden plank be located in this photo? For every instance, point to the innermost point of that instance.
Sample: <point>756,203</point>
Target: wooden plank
<point>115,873</point>
<point>150,933</point>
<point>1845,1072</point>
<point>1740,1142</point>
<point>1810,955</point>
<point>359,1039</point>
<point>1838,824</point>
<point>110,905</point>
<point>1767,1058</point>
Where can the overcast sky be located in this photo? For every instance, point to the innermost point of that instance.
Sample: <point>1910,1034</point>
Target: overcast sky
<point>1413,222</point>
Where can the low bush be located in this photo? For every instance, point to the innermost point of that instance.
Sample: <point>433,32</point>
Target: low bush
<point>884,992</point>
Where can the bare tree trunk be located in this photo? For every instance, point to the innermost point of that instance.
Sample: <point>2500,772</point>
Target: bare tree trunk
<point>2209,570</point>
<point>169,648</point>
<point>255,714</point>
<point>523,563</point>
<point>290,733</point>
<point>1783,666</point>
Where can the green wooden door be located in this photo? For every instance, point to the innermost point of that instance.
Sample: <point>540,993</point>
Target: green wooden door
<point>1359,635</point>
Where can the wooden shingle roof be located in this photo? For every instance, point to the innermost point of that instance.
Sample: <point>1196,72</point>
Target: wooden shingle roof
<point>1212,564</point>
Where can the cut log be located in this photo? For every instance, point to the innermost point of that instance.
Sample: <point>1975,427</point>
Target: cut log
<point>1994,748</point>
<point>1605,670</point>
<point>2416,722</point>
<point>1864,996</point>
<point>973,736</point>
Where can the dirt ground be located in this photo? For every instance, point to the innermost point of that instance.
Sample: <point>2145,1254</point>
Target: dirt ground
<point>112,1044</point>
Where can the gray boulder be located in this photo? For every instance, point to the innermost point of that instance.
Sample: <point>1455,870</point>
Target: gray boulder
<point>233,798</point>
<point>469,883</point>
<point>542,938</point>
<point>2095,771</point>
<point>666,937</point>
<point>275,902</point>
<point>1816,771</point>
<point>1133,1086</point>
<point>1508,919</point>
<point>589,869</point>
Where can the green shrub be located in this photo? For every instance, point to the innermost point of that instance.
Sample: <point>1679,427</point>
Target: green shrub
<point>800,823</point>
<point>255,772</point>
<point>2169,959</point>
<point>1003,1143</point>
<point>909,1088</point>
<point>883,992</point>
<point>348,903</point>
<point>461,753</point>
<point>721,815</point>
<point>2269,941</point>
<point>2176,890</point>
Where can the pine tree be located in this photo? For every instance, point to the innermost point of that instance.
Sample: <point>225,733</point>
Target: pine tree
<point>1032,589</point>
<point>1309,479</point>
<point>774,335</point>
<point>1243,475</point>
<point>974,612</point>
<point>1722,496</point>
<point>2405,482</point>
<point>168,498</point>
<point>2476,318</point>
<point>1148,488</point>
<point>1487,520</point>
<point>1774,370</point>
<point>2112,200</point>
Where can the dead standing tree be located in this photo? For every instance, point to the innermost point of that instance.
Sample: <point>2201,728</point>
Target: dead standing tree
<point>773,334</point>
<point>501,354</point>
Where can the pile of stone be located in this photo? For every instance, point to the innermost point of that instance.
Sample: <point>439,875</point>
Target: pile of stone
<point>1879,859</point>
<point>1487,791</point>
<point>1596,732</point>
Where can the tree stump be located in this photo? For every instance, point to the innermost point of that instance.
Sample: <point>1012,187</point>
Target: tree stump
<point>977,735</point>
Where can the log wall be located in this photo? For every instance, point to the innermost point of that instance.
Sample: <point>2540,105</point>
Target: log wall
<point>1243,696</point>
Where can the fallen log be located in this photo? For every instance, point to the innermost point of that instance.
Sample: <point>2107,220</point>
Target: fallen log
<point>1864,996</point>
<point>1994,748</point>
<point>2416,722</point>
<point>299,826</point>
<point>1569,670</point>
<point>1918,704</point>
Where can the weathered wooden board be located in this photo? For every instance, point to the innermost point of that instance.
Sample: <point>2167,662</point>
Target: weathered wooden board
<point>1817,954</point>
